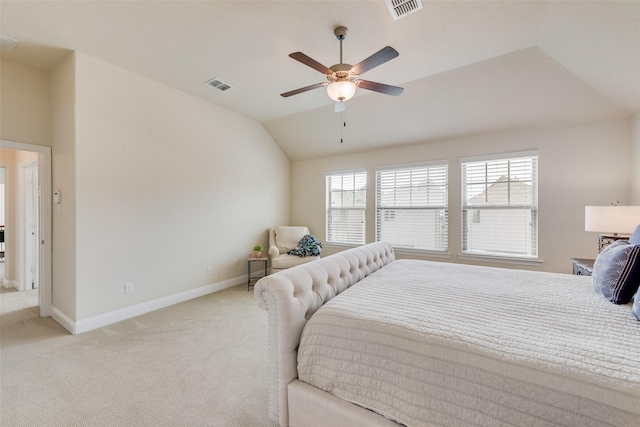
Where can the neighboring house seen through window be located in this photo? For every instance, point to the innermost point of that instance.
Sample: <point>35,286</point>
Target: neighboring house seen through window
<point>500,206</point>
<point>346,204</point>
<point>411,206</point>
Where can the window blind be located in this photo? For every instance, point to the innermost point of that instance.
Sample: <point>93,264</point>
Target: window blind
<point>346,204</point>
<point>412,206</point>
<point>500,206</point>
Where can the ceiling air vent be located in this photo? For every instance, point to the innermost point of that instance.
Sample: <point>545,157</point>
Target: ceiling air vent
<point>401,8</point>
<point>218,84</point>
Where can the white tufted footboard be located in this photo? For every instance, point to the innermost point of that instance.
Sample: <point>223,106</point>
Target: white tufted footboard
<point>292,296</point>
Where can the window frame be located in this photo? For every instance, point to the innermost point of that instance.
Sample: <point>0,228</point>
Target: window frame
<point>383,214</point>
<point>469,209</point>
<point>330,231</point>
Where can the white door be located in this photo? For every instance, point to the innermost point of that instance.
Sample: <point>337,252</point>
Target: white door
<point>2,223</point>
<point>29,227</point>
<point>33,237</point>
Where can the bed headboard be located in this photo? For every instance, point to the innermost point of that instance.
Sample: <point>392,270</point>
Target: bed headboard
<point>292,296</point>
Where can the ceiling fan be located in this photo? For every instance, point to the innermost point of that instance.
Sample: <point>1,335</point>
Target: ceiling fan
<point>343,79</point>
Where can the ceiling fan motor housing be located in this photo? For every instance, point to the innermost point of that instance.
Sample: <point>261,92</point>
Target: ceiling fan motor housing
<point>341,73</point>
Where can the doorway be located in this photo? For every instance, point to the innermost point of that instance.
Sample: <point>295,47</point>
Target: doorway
<point>33,221</point>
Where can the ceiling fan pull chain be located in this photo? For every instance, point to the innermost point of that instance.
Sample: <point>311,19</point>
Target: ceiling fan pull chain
<point>344,124</point>
<point>342,121</point>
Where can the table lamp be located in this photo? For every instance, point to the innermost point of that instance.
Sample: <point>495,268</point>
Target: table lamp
<point>611,222</point>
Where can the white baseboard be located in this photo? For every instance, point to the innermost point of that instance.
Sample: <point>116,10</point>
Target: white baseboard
<point>88,324</point>
<point>11,284</point>
<point>63,319</point>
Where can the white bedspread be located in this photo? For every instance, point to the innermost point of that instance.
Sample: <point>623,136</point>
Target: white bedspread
<point>428,343</point>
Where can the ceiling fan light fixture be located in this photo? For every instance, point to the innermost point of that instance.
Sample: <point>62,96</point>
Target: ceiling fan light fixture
<point>341,91</point>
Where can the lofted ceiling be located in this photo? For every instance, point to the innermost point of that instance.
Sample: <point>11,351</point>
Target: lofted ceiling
<point>468,67</point>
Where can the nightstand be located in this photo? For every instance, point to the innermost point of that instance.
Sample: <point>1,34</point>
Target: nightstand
<point>262,273</point>
<point>582,267</point>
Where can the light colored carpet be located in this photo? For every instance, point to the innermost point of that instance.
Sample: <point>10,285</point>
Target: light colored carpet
<point>199,363</point>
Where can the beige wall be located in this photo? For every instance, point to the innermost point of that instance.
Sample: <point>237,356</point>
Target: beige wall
<point>24,103</point>
<point>575,169</point>
<point>63,158</point>
<point>166,185</point>
<point>635,161</point>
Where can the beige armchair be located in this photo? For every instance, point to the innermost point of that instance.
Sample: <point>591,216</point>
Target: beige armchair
<point>281,240</point>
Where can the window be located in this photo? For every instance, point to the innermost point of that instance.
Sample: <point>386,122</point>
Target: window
<point>500,206</point>
<point>346,203</point>
<point>411,206</point>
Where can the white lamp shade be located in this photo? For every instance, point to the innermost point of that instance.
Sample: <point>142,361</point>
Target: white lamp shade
<point>341,91</point>
<point>611,219</point>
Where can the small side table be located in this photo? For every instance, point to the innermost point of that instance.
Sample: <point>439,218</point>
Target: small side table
<point>582,267</point>
<point>249,276</point>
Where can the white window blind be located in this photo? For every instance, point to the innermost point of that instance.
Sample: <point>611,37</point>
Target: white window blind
<point>500,206</point>
<point>346,204</point>
<point>412,206</point>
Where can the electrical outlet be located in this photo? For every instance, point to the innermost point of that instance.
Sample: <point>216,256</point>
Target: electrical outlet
<point>209,270</point>
<point>128,288</point>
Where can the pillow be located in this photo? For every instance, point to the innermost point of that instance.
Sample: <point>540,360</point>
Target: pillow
<point>308,246</point>
<point>287,237</point>
<point>636,306</point>
<point>635,237</point>
<point>616,271</point>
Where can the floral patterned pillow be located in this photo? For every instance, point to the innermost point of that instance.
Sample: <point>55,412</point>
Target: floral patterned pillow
<point>307,246</point>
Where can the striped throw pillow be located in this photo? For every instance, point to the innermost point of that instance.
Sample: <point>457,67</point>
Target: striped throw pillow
<point>616,271</point>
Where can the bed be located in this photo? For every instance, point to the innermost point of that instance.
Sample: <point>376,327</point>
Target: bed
<point>362,339</point>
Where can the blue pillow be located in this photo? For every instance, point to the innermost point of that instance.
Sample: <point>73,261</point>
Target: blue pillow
<point>616,271</point>
<point>635,237</point>
<point>636,306</point>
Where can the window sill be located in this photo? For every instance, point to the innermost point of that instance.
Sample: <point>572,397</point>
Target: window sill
<point>501,259</point>
<point>342,245</point>
<point>422,253</point>
<point>401,251</point>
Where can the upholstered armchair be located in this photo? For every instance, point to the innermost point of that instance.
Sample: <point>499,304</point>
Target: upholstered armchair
<point>281,240</point>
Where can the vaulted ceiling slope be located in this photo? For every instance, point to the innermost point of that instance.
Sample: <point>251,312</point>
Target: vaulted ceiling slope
<point>467,67</point>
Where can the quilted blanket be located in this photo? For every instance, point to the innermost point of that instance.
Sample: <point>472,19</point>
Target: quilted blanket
<point>309,245</point>
<point>427,343</point>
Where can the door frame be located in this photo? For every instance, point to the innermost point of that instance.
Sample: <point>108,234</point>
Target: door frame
<point>45,298</point>
<point>28,202</point>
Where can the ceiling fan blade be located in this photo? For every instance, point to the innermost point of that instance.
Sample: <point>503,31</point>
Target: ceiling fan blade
<point>303,89</point>
<point>378,58</point>
<point>380,87</point>
<point>310,62</point>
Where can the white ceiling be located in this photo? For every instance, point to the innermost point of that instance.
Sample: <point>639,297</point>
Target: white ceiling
<point>467,67</point>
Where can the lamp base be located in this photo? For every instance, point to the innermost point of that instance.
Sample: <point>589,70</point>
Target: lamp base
<point>605,240</point>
